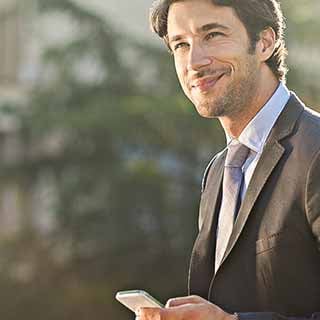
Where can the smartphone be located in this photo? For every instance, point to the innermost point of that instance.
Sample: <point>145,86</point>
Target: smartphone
<point>134,299</point>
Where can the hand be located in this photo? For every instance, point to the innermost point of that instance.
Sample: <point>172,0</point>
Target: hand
<point>185,308</point>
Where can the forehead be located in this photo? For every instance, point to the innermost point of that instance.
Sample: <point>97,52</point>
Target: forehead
<point>190,15</point>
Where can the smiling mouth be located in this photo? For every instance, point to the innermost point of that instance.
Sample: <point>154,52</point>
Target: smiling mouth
<point>206,83</point>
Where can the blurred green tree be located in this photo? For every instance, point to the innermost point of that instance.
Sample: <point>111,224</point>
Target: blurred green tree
<point>125,152</point>
<point>303,26</point>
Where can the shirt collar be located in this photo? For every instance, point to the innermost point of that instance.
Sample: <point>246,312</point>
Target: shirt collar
<point>258,129</point>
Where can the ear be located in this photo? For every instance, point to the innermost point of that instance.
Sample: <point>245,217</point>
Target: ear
<point>266,45</point>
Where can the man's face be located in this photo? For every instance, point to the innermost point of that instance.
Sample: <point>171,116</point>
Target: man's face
<point>211,49</point>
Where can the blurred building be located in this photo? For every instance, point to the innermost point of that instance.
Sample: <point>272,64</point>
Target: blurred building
<point>10,59</point>
<point>18,67</point>
<point>10,45</point>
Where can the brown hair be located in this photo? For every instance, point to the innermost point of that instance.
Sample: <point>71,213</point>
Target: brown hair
<point>256,16</point>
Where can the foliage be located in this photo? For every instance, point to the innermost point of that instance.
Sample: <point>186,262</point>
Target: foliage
<point>125,151</point>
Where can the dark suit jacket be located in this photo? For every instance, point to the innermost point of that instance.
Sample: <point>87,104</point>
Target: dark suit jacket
<point>271,268</point>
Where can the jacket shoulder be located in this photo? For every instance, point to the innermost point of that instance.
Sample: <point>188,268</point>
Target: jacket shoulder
<point>208,167</point>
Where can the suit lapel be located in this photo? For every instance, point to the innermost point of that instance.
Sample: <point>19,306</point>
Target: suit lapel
<point>266,165</point>
<point>270,157</point>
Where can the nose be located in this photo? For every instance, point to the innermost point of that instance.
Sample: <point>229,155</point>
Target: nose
<point>198,58</point>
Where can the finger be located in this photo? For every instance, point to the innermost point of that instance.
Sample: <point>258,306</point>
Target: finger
<point>187,311</point>
<point>175,313</point>
<point>181,312</point>
<point>174,302</point>
<point>149,313</point>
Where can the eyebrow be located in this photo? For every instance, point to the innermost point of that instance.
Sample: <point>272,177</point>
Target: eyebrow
<point>204,28</point>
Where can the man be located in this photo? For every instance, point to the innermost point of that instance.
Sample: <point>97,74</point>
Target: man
<point>257,255</point>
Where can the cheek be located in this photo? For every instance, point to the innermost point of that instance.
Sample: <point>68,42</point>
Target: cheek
<point>181,74</point>
<point>229,55</point>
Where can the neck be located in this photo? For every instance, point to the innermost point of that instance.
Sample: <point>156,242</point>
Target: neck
<point>234,124</point>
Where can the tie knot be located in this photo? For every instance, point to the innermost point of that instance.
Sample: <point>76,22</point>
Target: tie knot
<point>236,155</point>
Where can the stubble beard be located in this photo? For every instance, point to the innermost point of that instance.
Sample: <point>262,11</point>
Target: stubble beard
<point>237,96</point>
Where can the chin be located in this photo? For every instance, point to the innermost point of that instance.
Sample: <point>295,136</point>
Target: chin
<point>207,108</point>
<point>206,113</point>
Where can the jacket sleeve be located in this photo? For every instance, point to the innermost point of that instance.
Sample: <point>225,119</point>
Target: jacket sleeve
<point>273,316</point>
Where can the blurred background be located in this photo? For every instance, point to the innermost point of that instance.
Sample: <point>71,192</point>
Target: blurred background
<point>102,156</point>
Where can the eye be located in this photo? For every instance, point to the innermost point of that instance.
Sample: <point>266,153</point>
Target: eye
<point>180,45</point>
<point>213,35</point>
